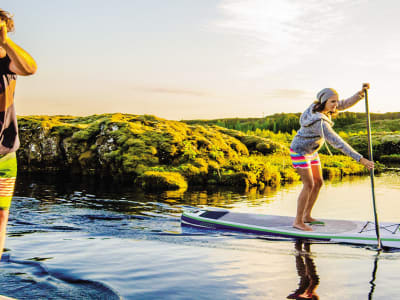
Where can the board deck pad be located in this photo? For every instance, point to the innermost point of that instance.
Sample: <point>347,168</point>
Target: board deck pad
<point>346,231</point>
<point>331,226</point>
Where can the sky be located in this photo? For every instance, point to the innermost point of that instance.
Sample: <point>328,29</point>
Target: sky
<point>204,59</point>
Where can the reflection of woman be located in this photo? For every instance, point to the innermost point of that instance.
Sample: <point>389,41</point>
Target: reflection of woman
<point>306,269</point>
<point>316,127</point>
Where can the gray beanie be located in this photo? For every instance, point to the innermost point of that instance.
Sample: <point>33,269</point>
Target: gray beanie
<point>325,94</point>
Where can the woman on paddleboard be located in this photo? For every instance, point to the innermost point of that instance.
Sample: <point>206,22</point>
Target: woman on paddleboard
<point>316,127</point>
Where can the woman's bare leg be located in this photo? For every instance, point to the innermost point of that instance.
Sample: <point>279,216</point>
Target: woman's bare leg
<point>3,227</point>
<point>318,182</point>
<point>308,184</point>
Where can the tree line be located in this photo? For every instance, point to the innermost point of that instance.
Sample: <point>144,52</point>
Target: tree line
<point>289,122</point>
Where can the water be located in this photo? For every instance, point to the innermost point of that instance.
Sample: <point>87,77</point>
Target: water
<point>74,239</point>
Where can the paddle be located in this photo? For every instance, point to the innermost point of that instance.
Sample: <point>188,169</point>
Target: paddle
<point>380,246</point>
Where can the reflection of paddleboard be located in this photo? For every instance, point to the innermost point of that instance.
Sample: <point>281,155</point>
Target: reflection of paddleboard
<point>341,231</point>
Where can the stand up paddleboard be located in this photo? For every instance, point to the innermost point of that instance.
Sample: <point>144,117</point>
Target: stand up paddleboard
<point>338,231</point>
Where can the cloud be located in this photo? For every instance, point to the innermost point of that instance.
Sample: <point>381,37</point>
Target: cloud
<point>161,90</point>
<point>288,94</point>
<point>282,32</point>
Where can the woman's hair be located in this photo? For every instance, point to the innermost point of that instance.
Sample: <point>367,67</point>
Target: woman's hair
<point>319,107</point>
<point>8,18</point>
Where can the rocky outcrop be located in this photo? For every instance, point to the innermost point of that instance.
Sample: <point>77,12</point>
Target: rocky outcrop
<point>130,145</point>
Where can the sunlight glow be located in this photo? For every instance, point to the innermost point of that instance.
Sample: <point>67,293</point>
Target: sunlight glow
<point>282,28</point>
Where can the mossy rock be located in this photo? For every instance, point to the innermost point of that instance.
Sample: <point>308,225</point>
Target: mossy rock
<point>241,179</point>
<point>289,175</point>
<point>330,172</point>
<point>260,144</point>
<point>87,133</point>
<point>195,174</point>
<point>271,176</point>
<point>383,144</point>
<point>234,133</point>
<point>153,181</point>
<point>88,162</point>
<point>63,130</point>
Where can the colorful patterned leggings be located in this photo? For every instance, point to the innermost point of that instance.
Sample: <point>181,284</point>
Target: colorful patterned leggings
<point>8,175</point>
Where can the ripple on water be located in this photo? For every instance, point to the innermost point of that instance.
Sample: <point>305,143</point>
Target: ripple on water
<point>30,279</point>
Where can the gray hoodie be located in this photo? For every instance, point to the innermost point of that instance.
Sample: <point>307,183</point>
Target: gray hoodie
<point>317,127</point>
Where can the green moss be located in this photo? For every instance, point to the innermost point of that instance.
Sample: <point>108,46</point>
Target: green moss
<point>261,145</point>
<point>241,179</point>
<point>393,158</point>
<point>134,142</point>
<point>339,165</point>
<point>86,155</point>
<point>87,133</point>
<point>152,180</point>
<point>189,170</point>
<point>63,130</point>
<point>189,150</point>
<point>289,175</point>
<point>113,155</point>
<point>330,172</point>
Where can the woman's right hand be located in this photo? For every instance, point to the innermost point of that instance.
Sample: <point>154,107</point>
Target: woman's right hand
<point>367,163</point>
<point>365,86</point>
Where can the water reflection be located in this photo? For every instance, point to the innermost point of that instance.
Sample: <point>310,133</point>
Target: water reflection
<point>96,192</point>
<point>309,278</point>
<point>307,271</point>
<point>372,282</point>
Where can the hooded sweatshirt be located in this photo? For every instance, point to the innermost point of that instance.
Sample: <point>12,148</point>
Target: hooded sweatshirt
<point>317,128</point>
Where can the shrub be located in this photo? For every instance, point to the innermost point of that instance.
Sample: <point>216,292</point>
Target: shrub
<point>152,180</point>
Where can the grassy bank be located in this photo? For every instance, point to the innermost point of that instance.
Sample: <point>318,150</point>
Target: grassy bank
<point>155,153</point>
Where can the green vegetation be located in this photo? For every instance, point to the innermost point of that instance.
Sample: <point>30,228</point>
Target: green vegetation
<point>275,123</point>
<point>287,123</point>
<point>154,153</point>
<point>392,158</point>
<point>152,180</point>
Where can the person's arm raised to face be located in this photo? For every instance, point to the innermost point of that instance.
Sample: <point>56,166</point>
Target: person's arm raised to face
<point>21,62</point>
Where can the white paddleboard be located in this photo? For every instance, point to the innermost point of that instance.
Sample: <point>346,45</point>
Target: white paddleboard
<point>340,231</point>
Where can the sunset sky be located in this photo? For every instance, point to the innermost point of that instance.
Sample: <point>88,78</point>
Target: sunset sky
<point>192,59</point>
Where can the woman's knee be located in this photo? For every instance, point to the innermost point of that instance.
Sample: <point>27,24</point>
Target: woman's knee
<point>318,183</point>
<point>308,184</point>
<point>307,179</point>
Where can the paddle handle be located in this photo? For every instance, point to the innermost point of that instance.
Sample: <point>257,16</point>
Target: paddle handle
<point>370,156</point>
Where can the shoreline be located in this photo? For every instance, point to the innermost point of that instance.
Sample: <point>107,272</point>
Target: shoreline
<point>158,154</point>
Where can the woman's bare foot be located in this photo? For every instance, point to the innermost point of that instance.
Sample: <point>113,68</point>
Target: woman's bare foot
<point>302,226</point>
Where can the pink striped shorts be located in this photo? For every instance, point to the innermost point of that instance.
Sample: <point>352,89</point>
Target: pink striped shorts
<point>304,161</point>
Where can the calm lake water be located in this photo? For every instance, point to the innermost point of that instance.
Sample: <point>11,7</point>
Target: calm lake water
<point>74,239</point>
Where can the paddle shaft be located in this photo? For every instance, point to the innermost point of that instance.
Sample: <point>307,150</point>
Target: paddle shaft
<point>372,170</point>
